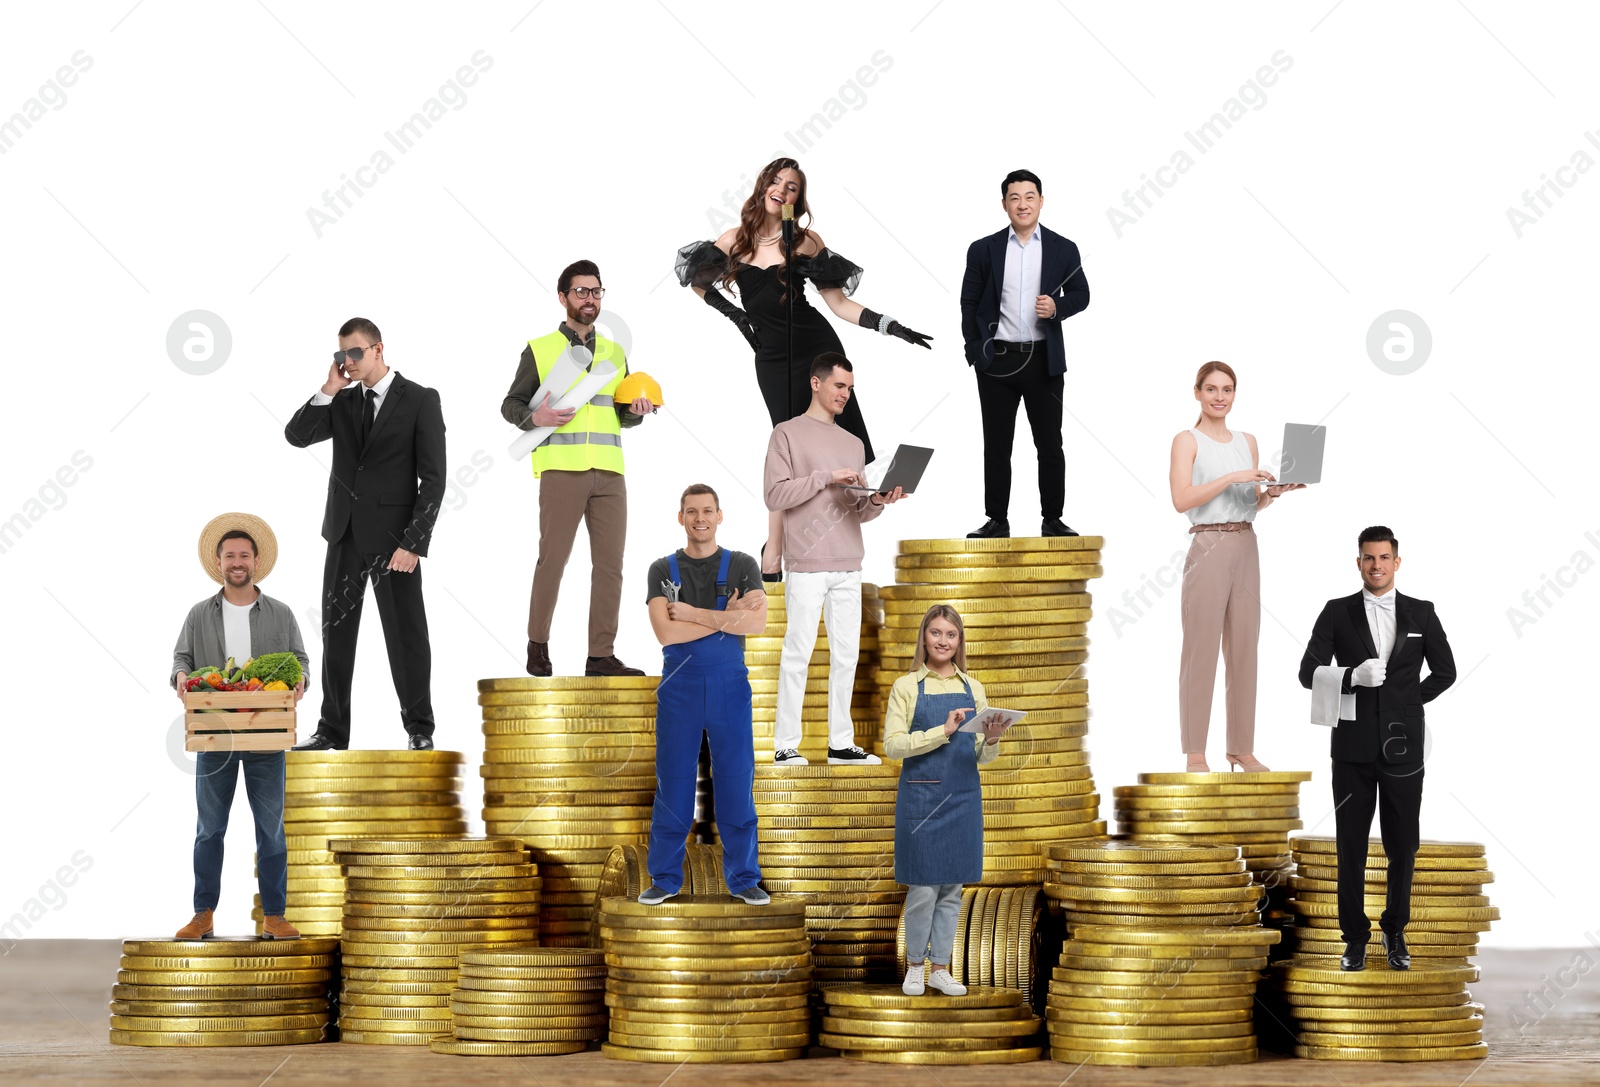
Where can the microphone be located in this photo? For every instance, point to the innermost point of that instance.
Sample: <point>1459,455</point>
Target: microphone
<point>788,226</point>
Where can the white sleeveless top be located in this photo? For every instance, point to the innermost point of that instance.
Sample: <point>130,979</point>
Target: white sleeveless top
<point>1212,459</point>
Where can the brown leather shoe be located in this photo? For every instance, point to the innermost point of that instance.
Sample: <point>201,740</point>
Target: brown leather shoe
<point>609,666</point>
<point>198,928</point>
<point>274,927</point>
<point>538,658</point>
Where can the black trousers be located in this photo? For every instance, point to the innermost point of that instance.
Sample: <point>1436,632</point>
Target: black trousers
<point>1021,378</point>
<point>1396,793</point>
<point>345,574</point>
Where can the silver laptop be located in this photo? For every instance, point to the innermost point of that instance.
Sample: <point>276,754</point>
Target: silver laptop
<point>1302,453</point>
<point>904,471</point>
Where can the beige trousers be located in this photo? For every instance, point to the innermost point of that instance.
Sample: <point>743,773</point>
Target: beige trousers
<point>1221,603</point>
<point>600,500</point>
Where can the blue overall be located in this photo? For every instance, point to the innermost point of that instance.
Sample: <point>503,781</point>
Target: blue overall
<point>705,688</point>
<point>938,812</point>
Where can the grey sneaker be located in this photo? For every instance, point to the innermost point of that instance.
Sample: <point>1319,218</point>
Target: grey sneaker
<point>752,895</point>
<point>655,896</point>
<point>789,757</point>
<point>851,756</point>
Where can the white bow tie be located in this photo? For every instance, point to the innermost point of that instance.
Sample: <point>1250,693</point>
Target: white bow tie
<point>1385,602</point>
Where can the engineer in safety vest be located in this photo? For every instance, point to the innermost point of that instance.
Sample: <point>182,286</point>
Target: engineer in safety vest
<point>703,600</point>
<point>579,468</point>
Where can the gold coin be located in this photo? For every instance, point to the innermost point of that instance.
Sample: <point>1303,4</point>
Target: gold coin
<point>1002,545</point>
<point>634,1019</point>
<point>1376,975</point>
<point>722,937</point>
<point>223,977</point>
<point>212,1023</point>
<point>1202,793</point>
<point>1135,853</point>
<point>392,759</point>
<point>211,1008</point>
<point>1142,991</point>
<point>358,1036</point>
<point>584,685</point>
<point>225,947</point>
<point>1072,1031</point>
<point>1273,777</point>
<point>462,1047</point>
<point>160,991</point>
<point>1461,1016</point>
<point>673,1056</point>
<point>643,997</point>
<point>1143,1013</point>
<point>216,1037</point>
<point>991,611</point>
<point>581,702</point>
<point>324,831</point>
<point>213,962</point>
<point>890,996</point>
<point>534,1021</point>
<point>1080,1056</point>
<point>1426,1053</point>
<point>615,910</point>
<point>531,1034</point>
<point>711,975</point>
<point>533,956</point>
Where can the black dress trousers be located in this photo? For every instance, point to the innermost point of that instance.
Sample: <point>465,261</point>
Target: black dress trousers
<point>1396,793</point>
<point>1022,378</point>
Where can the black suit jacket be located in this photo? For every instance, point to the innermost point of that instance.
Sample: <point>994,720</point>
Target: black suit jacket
<point>1061,276</point>
<point>1389,725</point>
<point>390,492</point>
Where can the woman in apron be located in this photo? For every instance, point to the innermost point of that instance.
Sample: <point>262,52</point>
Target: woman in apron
<point>938,820</point>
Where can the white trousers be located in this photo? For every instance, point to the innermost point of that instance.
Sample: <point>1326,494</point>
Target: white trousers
<point>835,597</point>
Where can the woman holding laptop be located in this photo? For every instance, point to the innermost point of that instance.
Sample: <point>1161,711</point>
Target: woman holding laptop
<point>938,818</point>
<point>1217,480</point>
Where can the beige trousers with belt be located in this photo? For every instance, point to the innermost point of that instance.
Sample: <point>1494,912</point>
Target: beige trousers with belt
<point>600,500</point>
<point>1221,603</point>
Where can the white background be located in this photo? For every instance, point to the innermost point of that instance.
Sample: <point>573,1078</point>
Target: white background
<point>1375,175</point>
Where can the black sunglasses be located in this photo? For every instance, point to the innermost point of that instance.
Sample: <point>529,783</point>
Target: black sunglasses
<point>354,354</point>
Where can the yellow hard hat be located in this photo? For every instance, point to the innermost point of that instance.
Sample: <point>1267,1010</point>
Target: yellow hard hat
<point>638,384</point>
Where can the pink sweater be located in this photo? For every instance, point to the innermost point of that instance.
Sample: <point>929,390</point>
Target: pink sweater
<point>821,522</point>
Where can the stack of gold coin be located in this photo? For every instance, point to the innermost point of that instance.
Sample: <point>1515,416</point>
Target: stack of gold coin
<point>1448,906</point>
<point>569,767</point>
<point>411,906</point>
<point>1377,1014</point>
<point>706,979</point>
<point>1143,885</point>
<point>526,1001</point>
<point>997,938</point>
<point>1256,812</point>
<point>336,794</point>
<point>827,833</point>
<point>879,1023</point>
<point>1157,997</point>
<point>1025,609</point>
<point>627,873</point>
<point>763,653</point>
<point>223,992</point>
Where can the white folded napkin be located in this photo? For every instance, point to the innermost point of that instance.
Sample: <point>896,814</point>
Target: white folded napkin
<point>1329,705</point>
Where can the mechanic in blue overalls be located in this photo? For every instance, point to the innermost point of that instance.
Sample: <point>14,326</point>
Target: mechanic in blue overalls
<point>938,814</point>
<point>703,600</point>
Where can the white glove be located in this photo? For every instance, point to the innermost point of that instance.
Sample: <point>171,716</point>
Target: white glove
<point>1370,672</point>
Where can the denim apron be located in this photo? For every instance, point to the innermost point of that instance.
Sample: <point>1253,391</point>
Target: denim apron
<point>938,812</point>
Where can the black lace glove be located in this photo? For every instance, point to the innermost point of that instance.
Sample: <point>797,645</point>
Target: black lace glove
<point>890,327</point>
<point>723,305</point>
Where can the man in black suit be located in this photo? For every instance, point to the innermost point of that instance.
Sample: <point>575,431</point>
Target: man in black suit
<point>384,494</point>
<point>1020,284</point>
<point>1380,639</point>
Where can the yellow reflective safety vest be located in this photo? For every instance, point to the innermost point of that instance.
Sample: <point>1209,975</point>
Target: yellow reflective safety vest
<point>593,439</point>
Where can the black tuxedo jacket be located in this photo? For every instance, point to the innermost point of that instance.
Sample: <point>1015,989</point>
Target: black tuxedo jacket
<point>1389,725</point>
<point>1061,277</point>
<point>390,492</point>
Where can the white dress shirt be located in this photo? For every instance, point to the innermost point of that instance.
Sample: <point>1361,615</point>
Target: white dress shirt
<point>1380,620</point>
<point>381,388</point>
<point>1020,288</point>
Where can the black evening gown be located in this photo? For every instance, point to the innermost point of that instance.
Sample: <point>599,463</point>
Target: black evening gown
<point>701,264</point>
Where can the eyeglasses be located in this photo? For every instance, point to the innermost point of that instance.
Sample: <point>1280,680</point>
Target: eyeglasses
<point>587,292</point>
<point>354,354</point>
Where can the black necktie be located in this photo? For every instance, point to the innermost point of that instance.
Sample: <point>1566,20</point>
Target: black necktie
<point>367,411</point>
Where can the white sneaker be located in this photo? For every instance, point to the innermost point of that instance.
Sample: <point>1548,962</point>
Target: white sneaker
<point>851,756</point>
<point>788,756</point>
<point>946,984</point>
<point>913,985</point>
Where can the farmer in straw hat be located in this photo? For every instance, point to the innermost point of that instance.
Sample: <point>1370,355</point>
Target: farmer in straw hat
<point>240,621</point>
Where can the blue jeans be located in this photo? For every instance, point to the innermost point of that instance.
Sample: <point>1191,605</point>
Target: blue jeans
<point>931,912</point>
<point>215,775</point>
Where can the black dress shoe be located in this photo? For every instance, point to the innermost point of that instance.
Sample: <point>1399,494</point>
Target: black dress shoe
<point>538,658</point>
<point>995,528</point>
<point>420,742</point>
<point>609,666</point>
<point>1395,948</point>
<point>318,742</point>
<point>1355,956</point>
<point>1053,526</point>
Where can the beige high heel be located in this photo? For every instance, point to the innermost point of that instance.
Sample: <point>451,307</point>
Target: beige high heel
<point>1197,763</point>
<point>1248,763</point>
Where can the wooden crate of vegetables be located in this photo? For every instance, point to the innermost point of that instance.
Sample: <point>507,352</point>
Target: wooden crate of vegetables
<point>242,708</point>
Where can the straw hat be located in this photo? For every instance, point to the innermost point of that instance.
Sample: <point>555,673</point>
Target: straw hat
<point>259,530</point>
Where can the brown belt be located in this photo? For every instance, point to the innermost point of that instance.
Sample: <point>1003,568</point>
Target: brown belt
<point>1222,526</point>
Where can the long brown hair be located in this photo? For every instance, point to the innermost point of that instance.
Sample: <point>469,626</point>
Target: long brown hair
<point>946,612</point>
<point>753,216</point>
<point>1199,379</point>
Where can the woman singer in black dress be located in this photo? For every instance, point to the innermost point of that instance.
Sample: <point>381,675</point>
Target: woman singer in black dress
<point>750,256</point>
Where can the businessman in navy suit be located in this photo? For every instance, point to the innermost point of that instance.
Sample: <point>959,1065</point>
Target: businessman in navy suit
<point>384,494</point>
<point>1382,640</point>
<point>1020,284</point>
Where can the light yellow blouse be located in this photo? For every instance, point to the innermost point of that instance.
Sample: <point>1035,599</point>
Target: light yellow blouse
<point>899,742</point>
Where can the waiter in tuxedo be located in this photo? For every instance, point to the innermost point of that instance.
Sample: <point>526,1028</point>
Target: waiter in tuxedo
<point>1366,653</point>
<point>1020,284</point>
<point>384,494</point>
